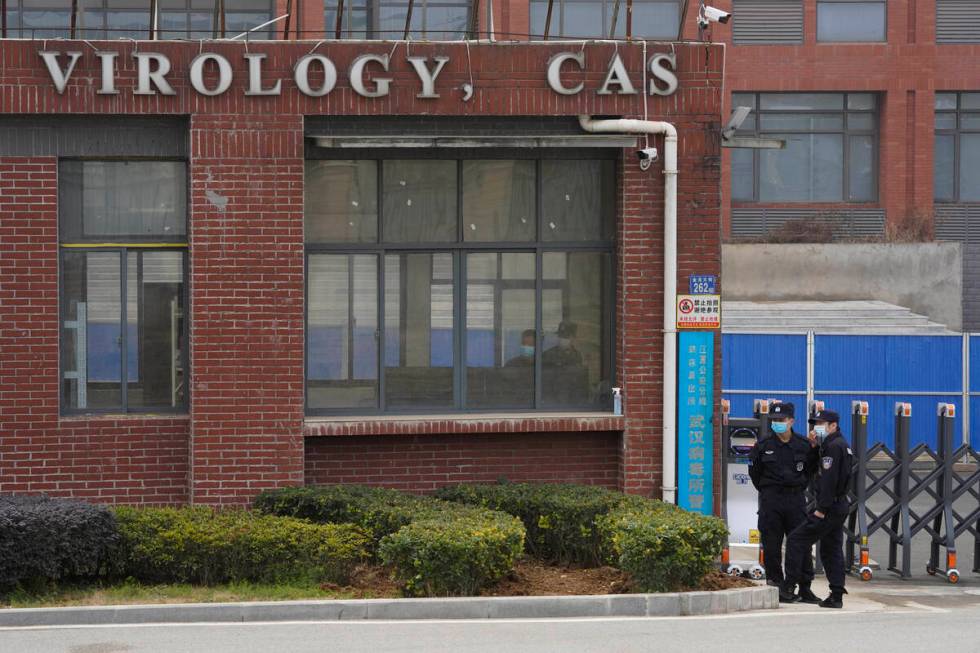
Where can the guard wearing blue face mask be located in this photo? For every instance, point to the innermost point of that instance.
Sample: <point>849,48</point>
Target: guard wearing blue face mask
<point>780,466</point>
<point>826,523</point>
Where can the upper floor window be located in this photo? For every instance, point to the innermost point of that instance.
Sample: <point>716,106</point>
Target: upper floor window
<point>763,22</point>
<point>438,285</point>
<point>830,153</point>
<point>112,19</point>
<point>386,19</point>
<point>957,21</point>
<point>956,163</point>
<point>605,19</point>
<point>123,257</point>
<point>851,20</point>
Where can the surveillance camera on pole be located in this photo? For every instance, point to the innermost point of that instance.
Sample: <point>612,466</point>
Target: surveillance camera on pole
<point>708,15</point>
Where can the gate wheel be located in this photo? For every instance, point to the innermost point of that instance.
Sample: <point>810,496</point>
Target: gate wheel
<point>953,576</point>
<point>866,574</point>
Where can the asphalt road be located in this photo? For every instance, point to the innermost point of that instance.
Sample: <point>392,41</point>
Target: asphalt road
<point>899,617</point>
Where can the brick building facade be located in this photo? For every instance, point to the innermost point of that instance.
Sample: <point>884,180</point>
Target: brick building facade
<point>231,291</point>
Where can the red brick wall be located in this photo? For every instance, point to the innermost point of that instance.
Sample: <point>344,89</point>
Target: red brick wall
<point>125,459</point>
<point>245,430</point>
<point>246,239</point>
<point>428,462</point>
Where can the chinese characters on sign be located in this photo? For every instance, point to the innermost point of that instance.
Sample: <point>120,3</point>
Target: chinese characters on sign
<point>694,421</point>
<point>699,311</point>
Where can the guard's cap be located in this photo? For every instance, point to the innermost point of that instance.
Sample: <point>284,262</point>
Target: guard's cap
<point>782,410</point>
<point>824,416</point>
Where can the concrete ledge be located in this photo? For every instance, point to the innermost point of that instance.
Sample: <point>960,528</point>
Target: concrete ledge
<point>517,607</point>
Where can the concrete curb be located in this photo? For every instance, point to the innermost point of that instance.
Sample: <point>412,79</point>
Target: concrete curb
<point>518,607</point>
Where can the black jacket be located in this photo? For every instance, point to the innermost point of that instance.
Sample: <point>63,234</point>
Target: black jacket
<point>787,465</point>
<point>835,471</point>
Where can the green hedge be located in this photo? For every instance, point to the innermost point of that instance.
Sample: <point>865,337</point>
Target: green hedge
<point>44,539</point>
<point>661,546</point>
<point>435,548</point>
<point>663,550</point>
<point>200,545</point>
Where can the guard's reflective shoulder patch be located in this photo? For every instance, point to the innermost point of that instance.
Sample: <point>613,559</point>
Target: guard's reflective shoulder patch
<point>828,462</point>
<point>849,452</point>
<point>799,467</point>
<point>770,452</point>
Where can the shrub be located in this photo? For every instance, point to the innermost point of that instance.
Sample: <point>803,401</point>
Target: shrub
<point>560,518</point>
<point>453,557</point>
<point>435,548</point>
<point>663,550</point>
<point>44,539</point>
<point>199,545</point>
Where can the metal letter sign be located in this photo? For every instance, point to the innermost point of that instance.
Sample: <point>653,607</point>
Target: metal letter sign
<point>695,432</point>
<point>703,284</point>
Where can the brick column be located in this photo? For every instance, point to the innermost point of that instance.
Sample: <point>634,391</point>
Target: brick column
<point>246,240</point>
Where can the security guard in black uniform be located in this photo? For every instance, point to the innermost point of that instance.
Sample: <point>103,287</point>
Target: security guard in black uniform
<point>781,465</point>
<point>826,523</point>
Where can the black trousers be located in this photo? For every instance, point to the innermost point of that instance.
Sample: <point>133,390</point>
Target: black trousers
<point>829,531</point>
<point>779,515</point>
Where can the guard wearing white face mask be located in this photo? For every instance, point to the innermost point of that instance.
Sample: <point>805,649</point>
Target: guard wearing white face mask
<point>826,523</point>
<point>780,467</point>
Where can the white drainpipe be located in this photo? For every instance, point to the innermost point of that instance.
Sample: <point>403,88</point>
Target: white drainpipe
<point>669,416</point>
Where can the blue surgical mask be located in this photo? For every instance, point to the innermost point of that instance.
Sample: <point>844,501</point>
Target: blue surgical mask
<point>821,431</point>
<point>527,350</point>
<point>779,427</point>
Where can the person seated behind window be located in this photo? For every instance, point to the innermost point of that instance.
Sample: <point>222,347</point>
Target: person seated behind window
<point>526,357</point>
<point>564,354</point>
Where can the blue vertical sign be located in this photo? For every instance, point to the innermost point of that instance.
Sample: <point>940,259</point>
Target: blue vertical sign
<point>695,401</point>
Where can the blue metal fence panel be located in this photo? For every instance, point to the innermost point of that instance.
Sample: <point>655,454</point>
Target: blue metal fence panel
<point>881,415</point>
<point>888,363</point>
<point>763,362</point>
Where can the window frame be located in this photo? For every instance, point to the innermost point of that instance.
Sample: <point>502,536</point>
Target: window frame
<point>123,249</point>
<point>459,249</point>
<point>845,132</point>
<point>884,38</point>
<point>956,133</point>
<point>559,6</point>
<point>372,11</point>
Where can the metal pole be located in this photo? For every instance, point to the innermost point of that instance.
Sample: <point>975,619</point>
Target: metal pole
<point>74,18</point>
<point>629,20</point>
<point>289,16</point>
<point>340,19</point>
<point>154,19</point>
<point>547,19</point>
<point>810,365</point>
<point>474,21</point>
<point>965,408</point>
<point>615,16</point>
<point>408,19</point>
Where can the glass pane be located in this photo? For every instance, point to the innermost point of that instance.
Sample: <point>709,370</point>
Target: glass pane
<point>574,359</point>
<point>444,23</point>
<point>810,169</point>
<point>946,101</point>
<point>802,101</point>
<point>391,22</point>
<point>944,168</point>
<point>970,121</point>
<point>654,19</point>
<point>418,331</point>
<point>861,168</point>
<point>419,201</point>
<point>969,100</point>
<point>850,21</point>
<point>128,24</point>
<point>582,19</point>
<point>742,175</point>
<point>969,168</point>
<point>93,310</point>
<point>539,13</point>
<point>945,121</point>
<point>123,199</point>
<point>860,101</point>
<point>500,337</point>
<point>860,121</point>
<point>341,201</point>
<point>155,319</point>
<point>173,25</point>
<point>342,332</point>
<point>743,100</point>
<point>239,22</point>
<point>498,200</point>
<point>801,122</point>
<point>577,200</point>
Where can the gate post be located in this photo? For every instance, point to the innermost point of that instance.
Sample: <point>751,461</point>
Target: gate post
<point>859,515</point>
<point>903,418</point>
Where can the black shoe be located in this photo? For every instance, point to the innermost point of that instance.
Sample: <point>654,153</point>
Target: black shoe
<point>773,583</point>
<point>786,593</point>
<point>835,600</point>
<point>806,595</point>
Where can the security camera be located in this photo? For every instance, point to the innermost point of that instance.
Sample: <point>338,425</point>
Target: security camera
<point>648,154</point>
<point>709,15</point>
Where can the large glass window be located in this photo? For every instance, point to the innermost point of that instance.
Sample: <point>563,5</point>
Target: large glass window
<point>851,20</point>
<point>956,162</point>
<point>112,19</point>
<point>606,19</point>
<point>385,19</point>
<point>439,285</point>
<point>123,290</point>
<point>830,153</point>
